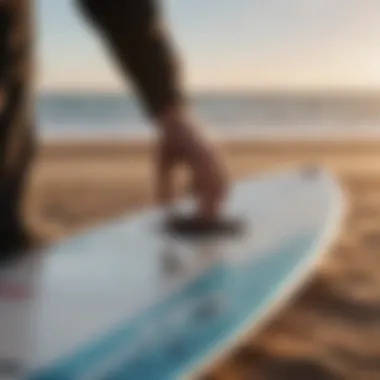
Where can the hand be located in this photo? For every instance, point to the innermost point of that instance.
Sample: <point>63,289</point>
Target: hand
<point>181,143</point>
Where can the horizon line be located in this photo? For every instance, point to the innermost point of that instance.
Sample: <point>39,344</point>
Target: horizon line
<point>211,91</point>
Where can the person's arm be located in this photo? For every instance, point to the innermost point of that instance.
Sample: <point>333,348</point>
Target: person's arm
<point>137,39</point>
<point>135,34</point>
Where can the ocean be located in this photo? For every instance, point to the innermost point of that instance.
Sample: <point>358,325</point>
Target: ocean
<point>101,114</point>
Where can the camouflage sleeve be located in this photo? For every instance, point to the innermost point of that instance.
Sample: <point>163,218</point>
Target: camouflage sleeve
<point>4,50</point>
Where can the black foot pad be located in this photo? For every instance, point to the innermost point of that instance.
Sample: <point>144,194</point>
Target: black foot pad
<point>193,227</point>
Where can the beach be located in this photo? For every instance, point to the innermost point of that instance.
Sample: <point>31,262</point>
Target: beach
<point>331,330</point>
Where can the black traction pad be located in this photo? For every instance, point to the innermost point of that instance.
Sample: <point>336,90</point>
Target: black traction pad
<point>195,227</point>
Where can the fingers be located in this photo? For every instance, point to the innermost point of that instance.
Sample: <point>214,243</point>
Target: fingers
<point>163,174</point>
<point>211,184</point>
<point>167,160</point>
<point>209,180</point>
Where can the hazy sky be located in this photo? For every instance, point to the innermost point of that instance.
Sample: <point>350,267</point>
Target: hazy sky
<point>230,44</point>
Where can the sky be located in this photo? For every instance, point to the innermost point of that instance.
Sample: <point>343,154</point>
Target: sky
<point>228,45</point>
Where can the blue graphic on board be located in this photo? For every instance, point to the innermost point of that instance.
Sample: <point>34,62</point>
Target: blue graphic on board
<point>172,335</point>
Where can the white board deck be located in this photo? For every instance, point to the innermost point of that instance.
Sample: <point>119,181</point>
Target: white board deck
<point>103,305</point>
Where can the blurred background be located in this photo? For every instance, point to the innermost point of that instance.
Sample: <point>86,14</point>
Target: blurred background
<point>273,67</point>
<point>279,82</point>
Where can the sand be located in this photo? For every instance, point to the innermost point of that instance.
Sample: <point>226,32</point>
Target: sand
<point>331,330</point>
